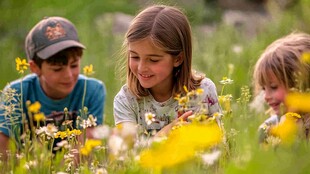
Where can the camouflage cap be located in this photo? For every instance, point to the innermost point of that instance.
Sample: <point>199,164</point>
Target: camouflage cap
<point>49,36</point>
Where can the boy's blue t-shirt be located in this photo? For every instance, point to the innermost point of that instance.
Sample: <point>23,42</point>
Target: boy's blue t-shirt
<point>32,91</point>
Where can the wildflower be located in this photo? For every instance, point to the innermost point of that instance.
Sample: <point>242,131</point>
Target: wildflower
<point>39,117</point>
<point>51,129</point>
<point>225,101</point>
<point>35,107</point>
<point>185,89</point>
<point>286,130</point>
<point>101,132</point>
<point>199,91</point>
<point>226,81</point>
<point>88,70</point>
<point>74,133</point>
<point>91,121</point>
<point>89,146</point>
<point>305,57</point>
<point>101,171</point>
<point>210,158</point>
<point>63,143</point>
<point>181,145</point>
<point>21,65</point>
<point>237,49</point>
<point>61,134</point>
<point>116,145</point>
<point>298,101</point>
<point>149,118</point>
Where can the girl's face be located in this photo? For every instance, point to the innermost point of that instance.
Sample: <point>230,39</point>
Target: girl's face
<point>152,66</point>
<point>58,81</point>
<point>275,92</point>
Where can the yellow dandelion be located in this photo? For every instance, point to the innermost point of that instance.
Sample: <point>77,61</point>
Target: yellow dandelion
<point>286,130</point>
<point>88,70</point>
<point>90,144</point>
<point>292,115</point>
<point>181,145</point>
<point>35,107</point>
<point>21,65</point>
<point>39,117</point>
<point>305,57</point>
<point>298,102</point>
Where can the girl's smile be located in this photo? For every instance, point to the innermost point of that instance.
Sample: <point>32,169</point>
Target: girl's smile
<point>152,67</point>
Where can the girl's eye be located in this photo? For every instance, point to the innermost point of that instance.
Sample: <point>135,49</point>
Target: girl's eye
<point>153,60</point>
<point>134,57</point>
<point>274,87</point>
<point>74,66</point>
<point>263,88</point>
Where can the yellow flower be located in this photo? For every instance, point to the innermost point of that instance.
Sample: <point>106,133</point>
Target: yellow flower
<point>298,102</point>
<point>305,57</point>
<point>286,130</point>
<point>292,115</point>
<point>89,146</point>
<point>181,145</point>
<point>39,117</point>
<point>185,89</point>
<point>199,91</point>
<point>225,102</point>
<point>35,107</point>
<point>21,65</point>
<point>88,70</point>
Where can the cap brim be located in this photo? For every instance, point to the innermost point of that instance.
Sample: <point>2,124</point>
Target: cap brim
<point>55,48</point>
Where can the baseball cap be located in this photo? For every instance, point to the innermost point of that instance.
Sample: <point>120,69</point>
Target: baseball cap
<point>51,35</point>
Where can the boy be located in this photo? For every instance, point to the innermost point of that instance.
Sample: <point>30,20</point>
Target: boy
<point>54,52</point>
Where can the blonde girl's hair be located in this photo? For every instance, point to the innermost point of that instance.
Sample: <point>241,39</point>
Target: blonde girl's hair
<point>169,29</point>
<point>283,58</point>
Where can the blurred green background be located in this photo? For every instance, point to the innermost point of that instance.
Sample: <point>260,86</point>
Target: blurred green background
<point>217,42</point>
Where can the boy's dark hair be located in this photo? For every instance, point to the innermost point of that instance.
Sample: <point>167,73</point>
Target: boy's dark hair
<point>60,58</point>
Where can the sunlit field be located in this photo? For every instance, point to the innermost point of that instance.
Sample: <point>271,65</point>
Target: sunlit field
<point>226,55</point>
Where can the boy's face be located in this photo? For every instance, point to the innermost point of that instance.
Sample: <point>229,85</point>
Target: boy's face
<point>58,81</point>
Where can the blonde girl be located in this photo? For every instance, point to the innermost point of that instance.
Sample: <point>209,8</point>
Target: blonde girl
<point>279,70</point>
<point>159,57</point>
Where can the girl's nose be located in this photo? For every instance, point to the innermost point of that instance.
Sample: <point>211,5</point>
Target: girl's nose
<point>267,95</point>
<point>141,65</point>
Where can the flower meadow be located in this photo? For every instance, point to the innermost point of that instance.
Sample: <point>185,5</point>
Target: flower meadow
<point>227,142</point>
<point>231,142</point>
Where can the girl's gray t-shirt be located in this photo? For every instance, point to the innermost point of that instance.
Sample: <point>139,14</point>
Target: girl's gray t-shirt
<point>127,108</point>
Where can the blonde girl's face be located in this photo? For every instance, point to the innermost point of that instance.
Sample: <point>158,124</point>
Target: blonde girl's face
<point>152,66</point>
<point>275,92</point>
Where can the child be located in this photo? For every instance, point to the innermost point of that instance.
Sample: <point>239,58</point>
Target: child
<point>54,53</point>
<point>278,71</point>
<point>159,55</point>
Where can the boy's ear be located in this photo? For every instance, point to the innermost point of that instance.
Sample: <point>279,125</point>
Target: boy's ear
<point>34,68</point>
<point>178,60</point>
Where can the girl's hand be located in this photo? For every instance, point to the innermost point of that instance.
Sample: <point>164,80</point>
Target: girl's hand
<point>166,130</point>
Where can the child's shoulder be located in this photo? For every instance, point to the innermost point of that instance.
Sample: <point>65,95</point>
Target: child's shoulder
<point>90,80</point>
<point>125,92</point>
<point>206,83</point>
<point>28,79</point>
